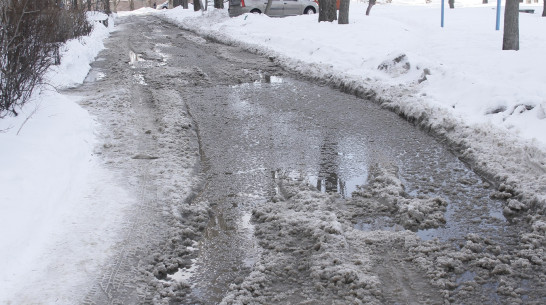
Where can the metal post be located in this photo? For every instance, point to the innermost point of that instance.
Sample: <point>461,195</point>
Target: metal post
<point>443,13</point>
<point>498,14</point>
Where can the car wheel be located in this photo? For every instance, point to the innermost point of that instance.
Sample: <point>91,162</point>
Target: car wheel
<point>255,11</point>
<point>309,11</point>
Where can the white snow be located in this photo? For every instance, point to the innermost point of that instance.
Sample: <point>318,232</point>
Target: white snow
<point>59,209</point>
<point>471,77</point>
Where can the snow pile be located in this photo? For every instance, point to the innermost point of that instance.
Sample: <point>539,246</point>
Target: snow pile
<point>306,255</point>
<point>412,213</point>
<point>462,59</point>
<point>57,228</point>
<point>480,266</point>
<point>78,53</point>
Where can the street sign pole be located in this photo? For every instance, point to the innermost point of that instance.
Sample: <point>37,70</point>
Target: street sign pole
<point>443,13</point>
<point>498,14</point>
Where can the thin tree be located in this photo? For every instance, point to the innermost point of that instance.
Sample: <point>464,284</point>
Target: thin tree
<point>132,5</point>
<point>185,4</point>
<point>115,4</point>
<point>327,10</point>
<point>196,5</point>
<point>451,4</point>
<point>344,12</point>
<point>544,9</point>
<point>371,3</point>
<point>510,39</point>
<point>270,2</point>
<point>219,4</point>
<point>107,9</point>
<point>30,34</point>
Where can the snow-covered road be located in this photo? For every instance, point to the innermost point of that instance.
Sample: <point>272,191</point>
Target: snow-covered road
<point>228,154</point>
<point>220,175</point>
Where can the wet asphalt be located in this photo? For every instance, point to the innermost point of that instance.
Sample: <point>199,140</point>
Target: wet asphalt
<point>256,121</point>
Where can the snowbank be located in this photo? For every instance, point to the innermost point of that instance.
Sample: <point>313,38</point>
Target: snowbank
<point>467,73</point>
<point>57,227</point>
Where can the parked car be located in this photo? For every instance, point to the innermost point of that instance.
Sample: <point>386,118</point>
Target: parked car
<point>279,8</point>
<point>163,5</point>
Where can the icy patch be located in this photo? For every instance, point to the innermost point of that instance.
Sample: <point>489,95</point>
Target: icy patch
<point>183,275</point>
<point>412,213</point>
<point>94,75</point>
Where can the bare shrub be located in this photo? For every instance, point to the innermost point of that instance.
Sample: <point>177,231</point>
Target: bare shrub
<point>31,32</point>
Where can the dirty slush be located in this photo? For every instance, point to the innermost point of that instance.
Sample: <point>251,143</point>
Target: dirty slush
<point>257,186</point>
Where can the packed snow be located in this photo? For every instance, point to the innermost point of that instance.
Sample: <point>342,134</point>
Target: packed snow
<point>57,216</point>
<point>56,210</point>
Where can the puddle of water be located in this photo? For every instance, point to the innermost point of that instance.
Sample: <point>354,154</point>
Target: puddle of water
<point>269,79</point>
<point>250,259</point>
<point>183,274</point>
<point>333,183</point>
<point>467,276</point>
<point>427,234</point>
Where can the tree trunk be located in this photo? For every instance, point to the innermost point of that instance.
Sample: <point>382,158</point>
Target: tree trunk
<point>268,6</point>
<point>176,3</point>
<point>132,5</point>
<point>219,4</point>
<point>344,12</point>
<point>510,40</point>
<point>544,9</point>
<point>185,4</point>
<point>88,5</point>
<point>196,5</point>
<point>451,3</point>
<point>327,10</point>
<point>370,5</point>
<point>75,4</point>
<point>107,9</point>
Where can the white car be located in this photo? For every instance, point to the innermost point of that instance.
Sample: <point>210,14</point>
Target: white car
<point>279,8</point>
<point>162,6</point>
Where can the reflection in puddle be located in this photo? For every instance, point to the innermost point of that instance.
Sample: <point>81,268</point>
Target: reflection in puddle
<point>282,128</point>
<point>269,79</point>
<point>341,164</point>
<point>248,229</point>
<point>184,274</point>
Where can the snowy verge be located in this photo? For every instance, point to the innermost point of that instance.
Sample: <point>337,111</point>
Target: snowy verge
<point>448,81</point>
<point>58,226</point>
<point>78,53</point>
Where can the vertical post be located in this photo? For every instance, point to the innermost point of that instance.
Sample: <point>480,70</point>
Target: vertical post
<point>442,22</point>
<point>498,14</point>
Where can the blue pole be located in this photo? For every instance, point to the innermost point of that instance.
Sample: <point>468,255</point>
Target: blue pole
<point>498,14</point>
<point>443,13</point>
